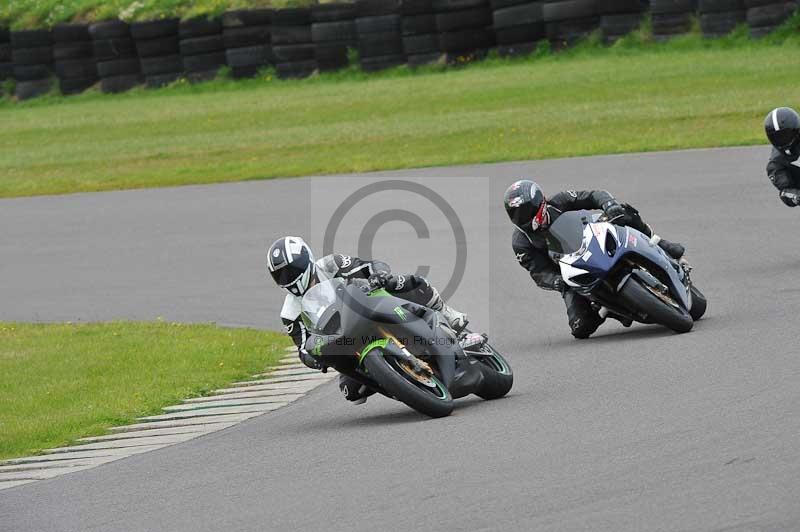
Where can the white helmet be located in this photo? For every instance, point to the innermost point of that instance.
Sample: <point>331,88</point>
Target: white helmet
<point>290,261</point>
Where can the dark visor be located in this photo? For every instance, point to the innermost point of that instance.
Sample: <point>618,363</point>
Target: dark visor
<point>784,137</point>
<point>287,275</point>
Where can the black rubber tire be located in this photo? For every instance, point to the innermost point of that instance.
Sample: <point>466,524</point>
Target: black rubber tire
<point>520,15</point>
<point>109,29</point>
<point>418,60</point>
<point>382,62</point>
<point>498,377</point>
<point>618,7</point>
<point>416,7</point>
<point>757,33</point>
<point>440,6</point>
<point>76,85</point>
<point>158,47</point>
<point>769,15</point>
<point>296,16</point>
<point>167,64</point>
<point>296,70</point>
<point>32,72</point>
<point>202,45</point>
<point>466,40</point>
<point>199,27</point>
<point>418,25</point>
<point>332,12</point>
<point>380,44</point>
<point>395,385</point>
<point>720,23</point>
<point>246,17</point>
<point>64,33</point>
<point>329,54</point>
<point>334,31</point>
<point>203,62</point>
<point>375,8</point>
<point>421,44</point>
<point>667,7</point>
<point>30,38</point>
<point>246,36</point>
<point>108,49</point>
<point>5,35</point>
<point>568,32</point>
<point>719,6</point>
<point>672,24</point>
<point>461,20</point>
<point>699,304</point>
<point>76,69</point>
<point>293,53</point>
<point>569,10</point>
<point>25,90</point>
<point>621,24</point>
<point>642,300</point>
<point>118,67</point>
<point>378,24</point>
<point>32,56</point>
<point>251,56</point>
<point>517,50</point>
<point>529,33</point>
<point>155,29</point>
<point>154,82</point>
<point>756,3</point>
<point>6,71</point>
<point>245,72</point>
<point>5,52</point>
<point>291,34</point>
<point>73,50</point>
<point>502,4</point>
<point>120,83</point>
<point>201,76</point>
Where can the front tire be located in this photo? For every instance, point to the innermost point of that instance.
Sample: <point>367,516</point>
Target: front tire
<point>644,301</point>
<point>433,401</point>
<point>498,378</point>
<point>699,304</point>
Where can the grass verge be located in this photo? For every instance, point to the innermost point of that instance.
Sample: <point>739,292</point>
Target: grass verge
<point>59,382</point>
<point>634,96</point>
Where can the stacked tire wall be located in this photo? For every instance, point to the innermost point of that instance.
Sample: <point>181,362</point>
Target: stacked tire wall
<point>764,16</point>
<point>158,49</point>
<point>380,37</point>
<point>73,57</point>
<point>420,36</point>
<point>464,28</point>
<point>202,48</point>
<point>720,17</point>
<point>620,17</point>
<point>518,26</point>
<point>32,55</point>
<point>246,36</point>
<point>6,66</point>
<point>292,46</point>
<point>115,53</point>
<point>567,21</point>
<point>333,32</point>
<point>671,17</point>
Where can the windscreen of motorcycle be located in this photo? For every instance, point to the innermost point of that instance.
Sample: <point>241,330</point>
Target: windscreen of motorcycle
<point>320,307</point>
<point>565,235</point>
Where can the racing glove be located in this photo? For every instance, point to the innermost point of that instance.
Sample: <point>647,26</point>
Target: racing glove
<point>383,280</point>
<point>559,285</point>
<point>615,212</point>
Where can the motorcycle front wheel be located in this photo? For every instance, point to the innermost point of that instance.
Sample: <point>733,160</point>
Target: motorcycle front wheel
<point>659,308</point>
<point>424,393</point>
<point>498,378</point>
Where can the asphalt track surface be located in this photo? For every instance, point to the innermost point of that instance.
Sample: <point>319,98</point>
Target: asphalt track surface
<point>635,429</point>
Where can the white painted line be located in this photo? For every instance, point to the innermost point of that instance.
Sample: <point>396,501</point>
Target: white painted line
<point>239,395</point>
<point>169,431</point>
<point>287,378</point>
<point>121,444</point>
<point>6,485</point>
<point>237,418</point>
<point>226,402</point>
<point>210,412</point>
<point>101,453</point>
<point>301,386</point>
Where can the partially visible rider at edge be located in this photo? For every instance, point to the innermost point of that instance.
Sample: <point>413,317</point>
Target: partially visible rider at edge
<point>291,264</point>
<point>532,213</point>
<point>782,126</point>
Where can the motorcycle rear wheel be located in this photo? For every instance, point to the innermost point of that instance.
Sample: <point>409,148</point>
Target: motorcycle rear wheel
<point>644,301</point>
<point>432,400</point>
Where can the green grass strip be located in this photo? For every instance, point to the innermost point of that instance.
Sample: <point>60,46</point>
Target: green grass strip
<point>632,97</point>
<point>59,382</point>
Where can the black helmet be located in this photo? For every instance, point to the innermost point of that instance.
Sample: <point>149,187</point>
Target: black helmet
<point>526,205</point>
<point>291,263</point>
<point>783,130</point>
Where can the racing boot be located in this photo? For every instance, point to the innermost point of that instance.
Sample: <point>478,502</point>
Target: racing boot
<point>673,249</point>
<point>457,320</point>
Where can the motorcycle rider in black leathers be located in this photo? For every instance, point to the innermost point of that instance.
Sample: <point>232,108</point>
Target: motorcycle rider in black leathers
<point>291,264</point>
<point>532,213</point>
<point>782,126</point>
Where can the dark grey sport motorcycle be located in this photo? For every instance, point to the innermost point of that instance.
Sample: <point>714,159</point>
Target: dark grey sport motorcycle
<point>400,349</point>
